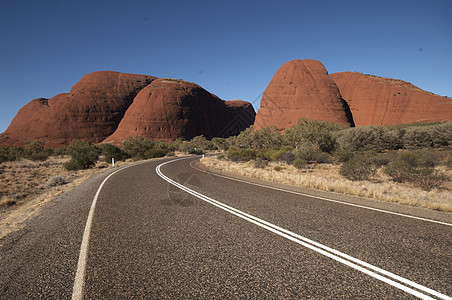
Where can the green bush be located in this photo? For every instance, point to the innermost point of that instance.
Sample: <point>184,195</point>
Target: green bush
<point>412,167</point>
<point>357,169</point>
<point>136,147</point>
<point>288,157</point>
<point>110,151</point>
<point>220,156</point>
<point>83,155</point>
<point>10,153</point>
<point>195,151</point>
<point>278,168</point>
<point>344,153</point>
<point>36,152</point>
<point>313,154</point>
<point>299,163</point>
<point>156,152</point>
<point>314,133</point>
<point>374,138</point>
<point>236,154</point>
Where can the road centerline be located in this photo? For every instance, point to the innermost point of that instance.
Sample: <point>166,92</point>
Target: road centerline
<point>373,271</point>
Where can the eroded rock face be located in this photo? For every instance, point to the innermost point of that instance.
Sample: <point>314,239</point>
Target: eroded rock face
<point>91,111</point>
<point>384,101</point>
<point>301,89</point>
<point>168,109</point>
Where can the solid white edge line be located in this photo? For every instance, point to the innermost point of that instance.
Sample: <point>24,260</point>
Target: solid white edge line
<point>333,254</point>
<point>79,281</point>
<point>322,198</point>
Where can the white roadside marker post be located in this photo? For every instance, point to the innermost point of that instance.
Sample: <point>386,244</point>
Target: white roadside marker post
<point>113,162</point>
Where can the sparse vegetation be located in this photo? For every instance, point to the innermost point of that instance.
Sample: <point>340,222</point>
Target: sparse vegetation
<point>357,168</point>
<point>83,155</point>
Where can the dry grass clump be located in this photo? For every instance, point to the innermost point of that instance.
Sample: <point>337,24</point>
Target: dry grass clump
<point>326,177</point>
<point>25,187</point>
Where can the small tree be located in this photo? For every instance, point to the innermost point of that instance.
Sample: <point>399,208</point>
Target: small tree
<point>83,155</point>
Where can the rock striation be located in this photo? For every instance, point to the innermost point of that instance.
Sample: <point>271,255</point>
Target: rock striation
<point>301,89</point>
<point>91,111</point>
<point>168,109</point>
<point>384,101</point>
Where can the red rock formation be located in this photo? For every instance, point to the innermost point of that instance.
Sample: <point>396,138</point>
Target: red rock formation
<point>301,89</point>
<point>91,111</point>
<point>383,101</point>
<point>168,109</point>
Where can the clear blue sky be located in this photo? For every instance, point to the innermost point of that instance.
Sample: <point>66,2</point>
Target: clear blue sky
<point>231,48</point>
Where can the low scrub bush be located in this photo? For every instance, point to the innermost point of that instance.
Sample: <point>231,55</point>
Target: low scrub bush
<point>35,151</point>
<point>313,154</point>
<point>83,155</point>
<point>156,152</point>
<point>236,154</point>
<point>136,147</point>
<point>412,167</point>
<point>54,181</point>
<point>288,157</point>
<point>278,168</point>
<point>195,151</point>
<point>357,169</point>
<point>343,154</point>
<point>299,163</point>
<point>260,163</point>
<point>110,151</point>
<point>10,153</point>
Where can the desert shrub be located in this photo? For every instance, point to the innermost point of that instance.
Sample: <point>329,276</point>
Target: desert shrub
<point>357,169</point>
<point>418,137</point>
<point>10,153</point>
<point>380,159</point>
<point>83,155</point>
<point>136,147</point>
<point>55,181</point>
<point>343,154</point>
<point>200,142</point>
<point>155,152</point>
<point>428,178</point>
<point>428,157</point>
<point>35,151</point>
<point>110,151</point>
<point>375,138</point>
<point>313,154</point>
<point>412,167</point>
<point>220,156</point>
<point>236,154</point>
<point>288,157</point>
<point>299,163</point>
<point>195,151</point>
<point>278,168</point>
<point>448,161</point>
<point>314,133</point>
<point>260,163</point>
<point>442,134</point>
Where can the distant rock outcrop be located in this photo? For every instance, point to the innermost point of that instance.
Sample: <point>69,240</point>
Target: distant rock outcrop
<point>301,89</point>
<point>91,111</point>
<point>141,105</point>
<point>168,109</point>
<point>383,101</point>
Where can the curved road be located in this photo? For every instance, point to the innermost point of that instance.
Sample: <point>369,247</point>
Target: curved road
<point>164,229</point>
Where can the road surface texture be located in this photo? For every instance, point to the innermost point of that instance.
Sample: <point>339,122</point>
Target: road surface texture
<point>221,238</point>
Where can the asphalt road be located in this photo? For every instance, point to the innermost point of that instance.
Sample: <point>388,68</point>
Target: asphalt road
<point>151,240</point>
